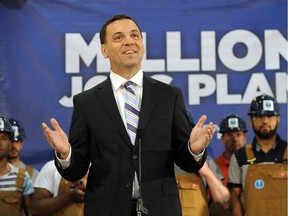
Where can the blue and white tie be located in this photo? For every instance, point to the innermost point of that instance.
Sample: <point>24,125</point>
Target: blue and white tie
<point>131,111</point>
<point>132,119</point>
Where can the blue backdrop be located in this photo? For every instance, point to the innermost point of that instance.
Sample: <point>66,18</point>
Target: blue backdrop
<point>221,54</point>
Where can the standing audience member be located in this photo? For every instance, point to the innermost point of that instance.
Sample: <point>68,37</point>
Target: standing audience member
<point>17,146</point>
<point>99,134</point>
<point>233,130</point>
<point>259,170</point>
<point>55,195</point>
<point>16,186</point>
<point>198,189</point>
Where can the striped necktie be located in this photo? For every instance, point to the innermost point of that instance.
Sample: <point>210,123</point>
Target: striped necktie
<point>131,111</point>
<point>132,118</point>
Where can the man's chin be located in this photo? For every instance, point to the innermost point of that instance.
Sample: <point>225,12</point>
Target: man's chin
<point>10,157</point>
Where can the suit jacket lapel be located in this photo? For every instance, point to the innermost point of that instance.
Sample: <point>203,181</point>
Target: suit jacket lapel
<point>106,97</point>
<point>150,94</point>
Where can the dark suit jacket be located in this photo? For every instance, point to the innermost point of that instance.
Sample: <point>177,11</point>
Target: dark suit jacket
<point>98,135</point>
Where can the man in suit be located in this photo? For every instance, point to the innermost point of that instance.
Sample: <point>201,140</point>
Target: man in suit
<point>99,140</point>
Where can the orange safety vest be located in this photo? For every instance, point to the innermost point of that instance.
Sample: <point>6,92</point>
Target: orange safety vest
<point>266,187</point>
<point>192,195</point>
<point>11,201</point>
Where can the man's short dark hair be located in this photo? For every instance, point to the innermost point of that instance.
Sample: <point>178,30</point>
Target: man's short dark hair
<point>111,20</point>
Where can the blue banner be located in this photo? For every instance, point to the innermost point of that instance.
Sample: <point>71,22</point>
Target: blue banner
<point>220,53</point>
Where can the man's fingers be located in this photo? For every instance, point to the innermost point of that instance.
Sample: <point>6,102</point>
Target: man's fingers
<point>46,129</point>
<point>201,121</point>
<point>55,125</point>
<point>210,130</point>
<point>44,126</point>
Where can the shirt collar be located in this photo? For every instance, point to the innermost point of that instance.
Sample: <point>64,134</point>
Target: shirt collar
<point>258,148</point>
<point>118,81</point>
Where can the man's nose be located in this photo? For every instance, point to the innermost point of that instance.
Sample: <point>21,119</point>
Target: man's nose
<point>129,40</point>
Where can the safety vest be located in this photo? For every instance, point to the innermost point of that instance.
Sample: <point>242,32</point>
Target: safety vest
<point>11,201</point>
<point>72,209</point>
<point>266,187</point>
<point>30,170</point>
<point>192,195</point>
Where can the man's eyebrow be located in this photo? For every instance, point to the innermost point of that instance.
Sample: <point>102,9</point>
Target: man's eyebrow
<point>117,33</point>
<point>133,31</point>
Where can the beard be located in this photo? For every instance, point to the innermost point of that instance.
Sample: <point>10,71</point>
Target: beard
<point>231,146</point>
<point>10,157</point>
<point>265,135</point>
<point>13,153</point>
<point>3,155</point>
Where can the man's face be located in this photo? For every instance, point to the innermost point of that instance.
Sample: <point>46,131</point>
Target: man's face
<point>15,149</point>
<point>5,145</point>
<point>233,140</point>
<point>124,45</point>
<point>264,126</point>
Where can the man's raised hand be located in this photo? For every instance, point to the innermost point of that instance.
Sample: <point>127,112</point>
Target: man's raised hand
<point>57,138</point>
<point>201,136</point>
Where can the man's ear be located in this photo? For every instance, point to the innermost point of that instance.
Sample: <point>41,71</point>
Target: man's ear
<point>250,122</point>
<point>22,145</point>
<point>278,119</point>
<point>104,51</point>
